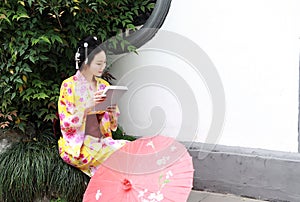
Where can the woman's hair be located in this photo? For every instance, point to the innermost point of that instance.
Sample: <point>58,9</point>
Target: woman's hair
<point>87,48</point>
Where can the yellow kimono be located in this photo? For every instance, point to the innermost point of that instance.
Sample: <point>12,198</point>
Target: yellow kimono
<point>75,146</point>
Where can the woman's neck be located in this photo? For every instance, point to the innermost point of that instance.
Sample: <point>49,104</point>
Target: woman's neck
<point>89,77</point>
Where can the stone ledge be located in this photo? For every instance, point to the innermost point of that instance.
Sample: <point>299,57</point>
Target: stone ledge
<point>255,173</point>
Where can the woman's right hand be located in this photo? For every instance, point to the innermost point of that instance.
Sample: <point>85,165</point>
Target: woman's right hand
<point>99,97</point>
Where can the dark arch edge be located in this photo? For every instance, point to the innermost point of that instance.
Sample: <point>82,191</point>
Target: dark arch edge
<point>150,28</point>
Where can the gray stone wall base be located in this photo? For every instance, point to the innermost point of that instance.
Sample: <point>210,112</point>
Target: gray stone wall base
<point>254,173</point>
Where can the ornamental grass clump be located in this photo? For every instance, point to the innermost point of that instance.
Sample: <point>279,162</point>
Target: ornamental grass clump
<point>32,170</point>
<point>25,170</point>
<point>67,183</point>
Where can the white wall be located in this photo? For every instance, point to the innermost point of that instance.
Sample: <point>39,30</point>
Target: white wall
<point>254,45</point>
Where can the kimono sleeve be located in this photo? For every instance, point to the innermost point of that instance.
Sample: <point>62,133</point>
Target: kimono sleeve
<point>72,118</point>
<point>109,121</point>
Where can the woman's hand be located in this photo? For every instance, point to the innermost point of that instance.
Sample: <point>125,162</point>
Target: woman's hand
<point>111,109</point>
<point>113,117</point>
<point>98,97</point>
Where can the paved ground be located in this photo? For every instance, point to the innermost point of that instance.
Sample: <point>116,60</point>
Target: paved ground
<point>202,196</point>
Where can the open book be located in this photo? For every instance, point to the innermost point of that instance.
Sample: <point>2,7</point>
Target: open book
<point>113,95</point>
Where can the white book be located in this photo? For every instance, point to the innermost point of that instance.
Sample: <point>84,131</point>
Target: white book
<point>113,95</point>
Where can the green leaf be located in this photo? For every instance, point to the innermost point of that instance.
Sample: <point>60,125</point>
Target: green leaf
<point>13,95</point>
<point>123,45</point>
<point>32,59</point>
<point>131,48</point>
<point>18,80</point>
<point>30,2</point>
<point>43,57</point>
<point>7,89</point>
<point>56,38</point>
<point>22,15</point>
<point>41,112</point>
<point>136,12</point>
<point>21,126</point>
<point>37,83</point>
<point>40,96</point>
<point>131,26</point>
<point>27,69</point>
<point>34,41</point>
<point>50,117</point>
<point>46,39</point>
<point>21,52</point>
<point>166,181</point>
<point>2,16</point>
<point>150,6</point>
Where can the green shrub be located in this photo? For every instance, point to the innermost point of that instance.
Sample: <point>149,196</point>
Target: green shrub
<point>38,40</point>
<point>37,45</point>
<point>120,134</point>
<point>32,170</point>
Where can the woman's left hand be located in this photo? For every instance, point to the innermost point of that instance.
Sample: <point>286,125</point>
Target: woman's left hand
<point>111,109</point>
<point>113,117</point>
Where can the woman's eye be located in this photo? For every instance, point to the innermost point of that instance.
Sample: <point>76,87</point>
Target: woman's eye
<point>102,63</point>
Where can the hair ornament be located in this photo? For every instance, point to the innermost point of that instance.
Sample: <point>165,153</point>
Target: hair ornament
<point>86,50</point>
<point>77,58</point>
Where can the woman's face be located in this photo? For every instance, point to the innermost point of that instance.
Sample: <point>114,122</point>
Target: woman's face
<point>98,64</point>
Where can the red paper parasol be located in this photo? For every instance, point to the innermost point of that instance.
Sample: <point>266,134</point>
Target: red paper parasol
<point>149,169</point>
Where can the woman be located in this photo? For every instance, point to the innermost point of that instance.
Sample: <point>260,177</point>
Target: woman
<point>86,139</point>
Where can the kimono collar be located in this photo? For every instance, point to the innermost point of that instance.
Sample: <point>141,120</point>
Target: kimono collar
<point>80,78</point>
